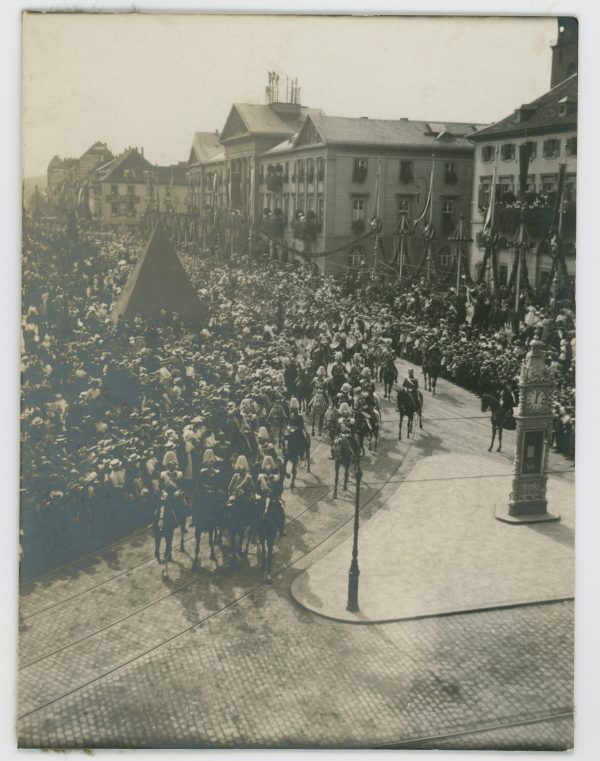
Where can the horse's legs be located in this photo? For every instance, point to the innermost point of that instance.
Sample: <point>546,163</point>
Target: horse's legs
<point>420,413</point>
<point>313,420</point>
<point>269,557</point>
<point>157,538</point>
<point>211,539</point>
<point>493,437</point>
<point>337,476</point>
<point>434,384</point>
<point>294,470</point>
<point>321,420</point>
<point>499,439</point>
<point>169,544</point>
<point>308,460</point>
<point>197,549</point>
<point>346,475</point>
<point>400,427</point>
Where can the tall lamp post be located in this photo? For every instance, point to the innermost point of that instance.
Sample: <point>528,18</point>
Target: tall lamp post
<point>354,571</point>
<point>460,236</point>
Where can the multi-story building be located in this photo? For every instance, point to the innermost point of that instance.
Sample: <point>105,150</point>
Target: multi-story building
<point>342,172</point>
<point>126,188</point>
<point>546,199</point>
<point>549,125</point>
<point>288,160</point>
<point>67,176</point>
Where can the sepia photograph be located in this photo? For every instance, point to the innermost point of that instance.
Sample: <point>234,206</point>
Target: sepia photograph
<point>297,381</point>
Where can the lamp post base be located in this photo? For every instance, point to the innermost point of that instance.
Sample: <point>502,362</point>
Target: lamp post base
<point>513,514</point>
<point>353,575</point>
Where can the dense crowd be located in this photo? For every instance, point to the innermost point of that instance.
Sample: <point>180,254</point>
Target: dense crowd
<point>108,410</point>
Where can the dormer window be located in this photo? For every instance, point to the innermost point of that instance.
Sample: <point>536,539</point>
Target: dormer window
<point>567,106</point>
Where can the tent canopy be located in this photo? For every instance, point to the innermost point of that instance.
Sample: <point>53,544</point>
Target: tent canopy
<point>158,282</point>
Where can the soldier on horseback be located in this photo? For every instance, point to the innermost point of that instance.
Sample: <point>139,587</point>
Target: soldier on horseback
<point>412,385</point>
<point>388,375</point>
<point>338,373</point>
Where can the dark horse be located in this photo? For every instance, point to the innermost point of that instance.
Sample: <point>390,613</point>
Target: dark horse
<point>238,516</point>
<point>318,407</point>
<point>270,522</point>
<point>367,427</point>
<point>408,405</point>
<point>345,448</point>
<point>432,365</point>
<point>296,447</point>
<point>501,418</point>
<point>206,511</point>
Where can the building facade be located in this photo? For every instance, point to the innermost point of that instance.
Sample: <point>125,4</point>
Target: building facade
<point>126,189</point>
<point>324,179</point>
<point>548,126</point>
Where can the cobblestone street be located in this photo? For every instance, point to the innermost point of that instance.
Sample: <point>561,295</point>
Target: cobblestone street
<point>114,654</point>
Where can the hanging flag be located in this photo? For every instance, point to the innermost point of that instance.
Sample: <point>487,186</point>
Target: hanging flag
<point>558,204</point>
<point>489,217</point>
<point>524,156</point>
<point>428,202</point>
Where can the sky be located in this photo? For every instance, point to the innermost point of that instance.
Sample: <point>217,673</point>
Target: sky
<point>151,80</point>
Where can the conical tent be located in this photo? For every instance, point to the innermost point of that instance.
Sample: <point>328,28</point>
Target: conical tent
<point>158,282</point>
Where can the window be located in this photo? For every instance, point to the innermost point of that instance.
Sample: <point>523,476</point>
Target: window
<point>530,185</point>
<point>310,170</point>
<point>551,148</point>
<point>506,190</point>
<point>286,207</point>
<point>114,209</point>
<point>487,152</point>
<point>403,205</point>
<point>358,209</point>
<point>532,149</point>
<point>406,172</point>
<point>548,186</point>
<point>268,201</point>
<point>544,278</point>
<point>447,217</point>
<point>311,204</point>
<point>507,152</point>
<point>444,258</point>
<point>485,189</point>
<point>320,169</point>
<point>301,204</point>
<point>293,171</point>
<point>131,210</point>
<point>286,174</point>
<point>570,191</point>
<point>114,190</point>
<point>123,208</point>
<point>571,146</point>
<point>167,191</point>
<point>300,170</point>
<point>321,209</point>
<point>359,173</point>
<point>261,202</point>
<point>503,274</point>
<point>357,256</point>
<point>450,176</point>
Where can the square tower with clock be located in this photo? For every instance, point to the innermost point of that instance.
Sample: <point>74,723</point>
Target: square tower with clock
<point>527,502</point>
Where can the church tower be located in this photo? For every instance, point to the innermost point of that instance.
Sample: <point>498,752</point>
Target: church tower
<point>565,50</point>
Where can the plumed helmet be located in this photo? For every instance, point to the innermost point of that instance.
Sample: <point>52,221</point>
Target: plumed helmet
<point>321,372</point>
<point>366,373</point>
<point>338,356</point>
<point>268,463</point>
<point>263,434</point>
<point>346,388</point>
<point>344,408</point>
<point>209,456</point>
<point>294,404</point>
<point>242,463</point>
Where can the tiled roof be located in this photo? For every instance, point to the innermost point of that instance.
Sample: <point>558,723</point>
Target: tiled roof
<point>218,158</point>
<point>285,145</point>
<point>129,159</point>
<point>391,132</point>
<point>543,113</point>
<point>260,119</point>
<point>174,174</point>
<point>205,145</point>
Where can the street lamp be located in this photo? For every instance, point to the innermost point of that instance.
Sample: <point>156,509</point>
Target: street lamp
<point>354,571</point>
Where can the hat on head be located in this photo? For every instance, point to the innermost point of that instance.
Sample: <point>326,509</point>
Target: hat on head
<point>344,409</point>
<point>209,456</point>
<point>115,464</point>
<point>268,463</point>
<point>241,463</point>
<point>263,433</point>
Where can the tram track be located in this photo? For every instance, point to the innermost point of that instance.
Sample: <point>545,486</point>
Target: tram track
<point>212,614</point>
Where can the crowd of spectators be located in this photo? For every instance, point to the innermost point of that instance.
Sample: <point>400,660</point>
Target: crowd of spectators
<point>102,402</point>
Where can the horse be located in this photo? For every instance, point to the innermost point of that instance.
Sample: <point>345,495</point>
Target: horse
<point>271,521</point>
<point>296,446</point>
<point>367,426</point>
<point>277,419</point>
<point>304,389</point>
<point>432,365</point>
<point>238,516</point>
<point>388,375</point>
<point>318,407</point>
<point>165,520</point>
<point>206,511</point>
<point>501,418</point>
<point>345,448</point>
<point>332,422</point>
<point>408,405</point>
